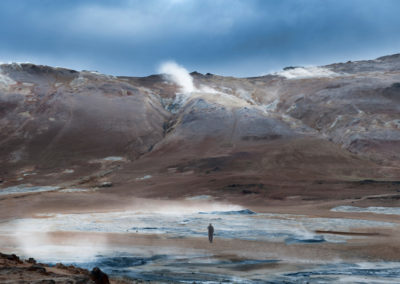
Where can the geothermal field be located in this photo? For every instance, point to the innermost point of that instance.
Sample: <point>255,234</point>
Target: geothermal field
<point>298,172</point>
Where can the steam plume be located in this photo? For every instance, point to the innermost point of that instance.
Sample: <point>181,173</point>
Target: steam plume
<point>179,75</point>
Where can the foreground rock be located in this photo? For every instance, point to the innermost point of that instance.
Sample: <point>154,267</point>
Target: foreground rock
<point>98,276</point>
<point>15,270</point>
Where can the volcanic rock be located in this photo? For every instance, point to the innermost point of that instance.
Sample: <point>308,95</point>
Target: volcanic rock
<point>98,276</point>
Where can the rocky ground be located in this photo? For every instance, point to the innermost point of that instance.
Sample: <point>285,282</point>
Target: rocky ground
<point>16,270</point>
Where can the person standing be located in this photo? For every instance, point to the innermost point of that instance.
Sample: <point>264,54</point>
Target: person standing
<point>210,233</point>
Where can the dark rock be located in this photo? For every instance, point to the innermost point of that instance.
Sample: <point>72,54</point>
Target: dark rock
<point>60,266</point>
<point>290,68</point>
<point>16,271</point>
<point>238,185</point>
<point>83,281</point>
<point>11,257</point>
<point>263,137</point>
<point>195,73</point>
<point>14,257</point>
<point>37,268</point>
<point>106,184</point>
<point>247,191</point>
<point>50,281</point>
<point>98,276</point>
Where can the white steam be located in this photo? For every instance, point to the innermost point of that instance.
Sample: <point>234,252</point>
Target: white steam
<point>306,72</point>
<point>179,75</point>
<point>41,239</point>
<point>5,81</point>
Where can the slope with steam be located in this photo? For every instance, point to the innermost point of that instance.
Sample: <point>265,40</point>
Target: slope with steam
<point>338,122</point>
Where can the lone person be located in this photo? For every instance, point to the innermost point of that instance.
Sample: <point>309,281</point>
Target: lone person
<point>210,232</point>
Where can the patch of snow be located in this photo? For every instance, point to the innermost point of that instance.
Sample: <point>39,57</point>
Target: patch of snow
<point>172,170</point>
<point>245,96</point>
<point>16,155</point>
<point>25,114</point>
<point>199,197</point>
<point>223,99</point>
<point>393,123</point>
<point>339,117</point>
<point>24,91</point>
<point>78,81</point>
<point>226,89</point>
<point>16,64</point>
<point>68,171</point>
<point>306,72</point>
<point>272,106</point>
<point>71,190</point>
<point>23,188</point>
<point>114,158</point>
<point>96,73</point>
<point>208,89</point>
<point>144,177</point>
<point>5,81</point>
<point>298,125</point>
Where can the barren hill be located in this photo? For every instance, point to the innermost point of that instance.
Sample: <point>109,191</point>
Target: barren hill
<point>295,132</point>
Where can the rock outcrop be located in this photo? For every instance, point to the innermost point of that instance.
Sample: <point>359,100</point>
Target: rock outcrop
<point>15,270</point>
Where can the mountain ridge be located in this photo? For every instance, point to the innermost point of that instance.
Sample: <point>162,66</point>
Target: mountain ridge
<point>335,122</point>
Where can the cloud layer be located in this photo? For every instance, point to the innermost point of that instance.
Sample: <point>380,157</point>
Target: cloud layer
<point>228,37</point>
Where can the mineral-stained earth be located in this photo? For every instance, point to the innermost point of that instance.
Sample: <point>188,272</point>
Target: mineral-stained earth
<point>298,171</point>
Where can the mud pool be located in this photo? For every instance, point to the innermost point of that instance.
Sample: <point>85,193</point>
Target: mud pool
<point>371,209</point>
<point>157,262</point>
<point>240,224</point>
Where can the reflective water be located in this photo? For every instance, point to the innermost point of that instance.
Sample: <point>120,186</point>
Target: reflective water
<point>372,209</point>
<point>170,264</point>
<point>206,269</point>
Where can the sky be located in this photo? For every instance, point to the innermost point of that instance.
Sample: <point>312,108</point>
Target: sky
<point>227,37</point>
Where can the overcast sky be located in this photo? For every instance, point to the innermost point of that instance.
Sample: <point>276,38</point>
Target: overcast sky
<point>228,37</point>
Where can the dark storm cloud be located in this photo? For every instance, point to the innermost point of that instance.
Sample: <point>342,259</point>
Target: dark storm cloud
<point>241,38</point>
